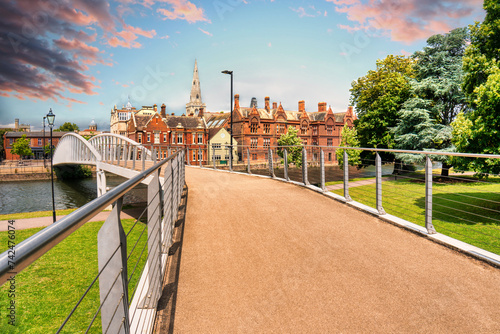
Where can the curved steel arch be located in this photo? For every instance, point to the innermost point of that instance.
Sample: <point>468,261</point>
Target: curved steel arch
<point>74,149</point>
<point>103,138</point>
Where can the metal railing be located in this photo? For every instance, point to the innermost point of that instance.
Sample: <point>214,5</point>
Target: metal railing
<point>131,265</point>
<point>460,205</point>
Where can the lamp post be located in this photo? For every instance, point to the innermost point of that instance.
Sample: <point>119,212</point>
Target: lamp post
<point>43,146</point>
<point>50,120</point>
<point>231,102</point>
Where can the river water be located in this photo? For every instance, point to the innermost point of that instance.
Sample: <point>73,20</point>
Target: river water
<point>29,196</point>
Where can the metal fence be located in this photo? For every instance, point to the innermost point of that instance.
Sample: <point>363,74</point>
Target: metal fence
<point>131,259</point>
<point>462,205</point>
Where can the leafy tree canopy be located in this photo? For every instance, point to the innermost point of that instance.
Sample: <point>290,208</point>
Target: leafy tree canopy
<point>294,153</point>
<point>71,127</point>
<point>349,138</point>
<point>21,147</point>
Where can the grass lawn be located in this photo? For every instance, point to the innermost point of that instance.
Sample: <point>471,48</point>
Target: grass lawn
<point>49,288</point>
<point>469,212</point>
<point>35,214</point>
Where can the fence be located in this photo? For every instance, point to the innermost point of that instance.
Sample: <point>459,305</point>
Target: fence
<point>460,204</point>
<point>131,256</point>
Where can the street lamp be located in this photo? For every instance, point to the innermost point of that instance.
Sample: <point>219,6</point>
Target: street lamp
<point>50,120</point>
<point>231,102</point>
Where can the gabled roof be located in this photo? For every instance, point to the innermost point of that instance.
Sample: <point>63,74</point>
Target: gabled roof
<point>140,121</point>
<point>187,122</point>
<point>217,120</point>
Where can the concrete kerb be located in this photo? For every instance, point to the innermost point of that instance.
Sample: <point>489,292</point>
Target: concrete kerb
<point>451,243</point>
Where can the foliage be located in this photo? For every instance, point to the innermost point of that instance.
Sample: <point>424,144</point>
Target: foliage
<point>70,127</point>
<point>72,172</point>
<point>2,151</point>
<point>479,130</point>
<point>349,138</point>
<point>378,96</point>
<point>21,147</point>
<point>294,153</point>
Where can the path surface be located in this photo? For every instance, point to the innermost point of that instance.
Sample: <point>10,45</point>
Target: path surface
<point>262,256</point>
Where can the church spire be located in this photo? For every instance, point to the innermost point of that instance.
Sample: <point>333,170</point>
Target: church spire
<point>195,101</point>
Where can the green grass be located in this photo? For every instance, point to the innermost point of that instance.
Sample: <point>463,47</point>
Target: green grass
<point>465,211</point>
<point>350,180</point>
<point>35,214</point>
<point>49,288</point>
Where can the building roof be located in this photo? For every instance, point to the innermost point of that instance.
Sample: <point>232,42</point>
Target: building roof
<point>216,120</point>
<point>186,122</point>
<point>36,134</point>
<point>140,121</point>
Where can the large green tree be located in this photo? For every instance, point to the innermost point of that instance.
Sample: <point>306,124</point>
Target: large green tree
<point>349,138</point>
<point>21,147</point>
<point>294,152</point>
<point>478,131</point>
<point>68,126</point>
<point>378,96</point>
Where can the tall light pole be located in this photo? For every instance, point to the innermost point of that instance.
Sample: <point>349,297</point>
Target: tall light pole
<point>50,120</point>
<point>231,102</point>
<point>43,146</point>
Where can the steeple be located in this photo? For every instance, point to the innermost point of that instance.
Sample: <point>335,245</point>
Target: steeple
<point>195,101</point>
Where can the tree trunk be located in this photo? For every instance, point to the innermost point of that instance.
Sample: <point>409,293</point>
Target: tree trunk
<point>445,169</point>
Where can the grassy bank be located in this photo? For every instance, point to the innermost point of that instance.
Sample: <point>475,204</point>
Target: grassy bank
<point>35,214</point>
<point>47,290</point>
<point>467,211</point>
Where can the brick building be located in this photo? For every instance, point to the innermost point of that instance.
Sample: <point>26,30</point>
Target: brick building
<point>260,128</point>
<point>37,140</point>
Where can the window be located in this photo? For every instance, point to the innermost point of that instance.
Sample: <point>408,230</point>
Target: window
<point>217,157</point>
<point>253,127</point>
<point>194,138</point>
<point>303,129</point>
<point>329,129</point>
<point>281,128</point>
<point>173,137</point>
<point>11,141</point>
<point>267,128</point>
<point>253,142</point>
<point>330,156</point>
<point>200,155</point>
<point>139,138</point>
<point>157,138</point>
<point>267,142</point>
<point>40,142</point>
<point>123,116</point>
<point>123,133</point>
<point>315,130</point>
<point>179,138</point>
<point>216,146</point>
<point>315,142</point>
<point>254,156</point>
<point>329,142</point>
<point>194,155</point>
<point>200,138</point>
<point>149,137</point>
<point>164,137</point>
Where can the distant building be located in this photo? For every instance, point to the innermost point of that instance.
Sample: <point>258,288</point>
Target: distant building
<point>37,139</point>
<point>21,127</point>
<point>91,131</point>
<point>195,103</point>
<point>119,119</point>
<point>218,148</point>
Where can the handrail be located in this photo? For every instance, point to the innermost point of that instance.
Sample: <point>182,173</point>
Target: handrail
<point>35,246</point>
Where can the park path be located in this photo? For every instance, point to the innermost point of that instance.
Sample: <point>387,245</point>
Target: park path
<point>263,256</point>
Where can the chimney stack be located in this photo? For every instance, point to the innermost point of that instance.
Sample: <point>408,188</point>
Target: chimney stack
<point>267,103</point>
<point>155,107</point>
<point>16,126</point>
<point>200,113</point>
<point>163,111</point>
<point>322,107</point>
<point>237,101</point>
<point>275,105</point>
<point>302,106</point>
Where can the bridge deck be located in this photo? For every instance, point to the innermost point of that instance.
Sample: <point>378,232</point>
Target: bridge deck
<point>266,256</point>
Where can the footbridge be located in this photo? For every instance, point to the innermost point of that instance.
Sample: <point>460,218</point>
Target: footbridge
<point>269,248</point>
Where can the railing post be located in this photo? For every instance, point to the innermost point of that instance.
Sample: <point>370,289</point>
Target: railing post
<point>143,157</point>
<point>213,157</point>
<point>322,169</point>
<point>304,167</point>
<point>230,158</point>
<point>188,156</point>
<point>113,150</point>
<point>200,152</point>
<point>248,161</point>
<point>378,168</point>
<point>126,154</point>
<point>346,177</point>
<point>428,196</point>
<point>134,158</point>
<point>113,286</point>
<point>285,166</point>
<point>271,166</point>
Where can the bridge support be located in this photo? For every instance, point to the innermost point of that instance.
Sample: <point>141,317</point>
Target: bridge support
<point>101,183</point>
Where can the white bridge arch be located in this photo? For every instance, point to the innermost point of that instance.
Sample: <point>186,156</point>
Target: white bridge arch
<point>108,152</point>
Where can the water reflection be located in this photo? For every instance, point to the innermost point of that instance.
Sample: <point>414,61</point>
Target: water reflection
<point>29,196</point>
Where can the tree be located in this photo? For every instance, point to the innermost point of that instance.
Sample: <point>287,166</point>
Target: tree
<point>349,138</point>
<point>478,131</point>
<point>294,153</point>
<point>378,97</point>
<point>21,147</point>
<point>2,151</point>
<point>69,127</point>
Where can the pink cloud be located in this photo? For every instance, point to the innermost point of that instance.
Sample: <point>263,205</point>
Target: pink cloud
<point>205,32</point>
<point>406,20</point>
<point>182,10</point>
<point>301,11</point>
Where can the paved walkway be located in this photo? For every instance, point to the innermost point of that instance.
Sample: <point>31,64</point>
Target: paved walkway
<point>262,256</point>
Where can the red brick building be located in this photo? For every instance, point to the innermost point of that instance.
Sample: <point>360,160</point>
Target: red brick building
<point>168,132</point>
<point>260,128</point>
<point>37,141</point>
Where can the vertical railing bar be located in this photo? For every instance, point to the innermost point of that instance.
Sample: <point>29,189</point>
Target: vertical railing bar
<point>322,169</point>
<point>346,178</point>
<point>378,168</point>
<point>304,167</point>
<point>428,196</point>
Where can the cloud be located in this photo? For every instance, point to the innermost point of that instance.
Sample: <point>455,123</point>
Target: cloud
<point>301,11</point>
<point>128,36</point>
<point>406,20</point>
<point>205,32</point>
<point>180,10</point>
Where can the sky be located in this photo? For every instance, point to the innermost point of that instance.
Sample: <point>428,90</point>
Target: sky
<point>82,57</point>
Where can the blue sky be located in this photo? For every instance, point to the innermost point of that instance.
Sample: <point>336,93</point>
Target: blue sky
<point>82,57</point>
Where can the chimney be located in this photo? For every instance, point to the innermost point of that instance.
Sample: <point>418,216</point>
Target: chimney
<point>275,105</point>
<point>155,108</point>
<point>173,114</point>
<point>200,113</point>
<point>237,101</point>
<point>16,126</point>
<point>302,106</point>
<point>267,103</point>
<point>163,112</point>
<point>322,107</point>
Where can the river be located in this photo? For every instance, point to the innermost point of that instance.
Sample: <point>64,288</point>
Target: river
<point>29,196</point>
